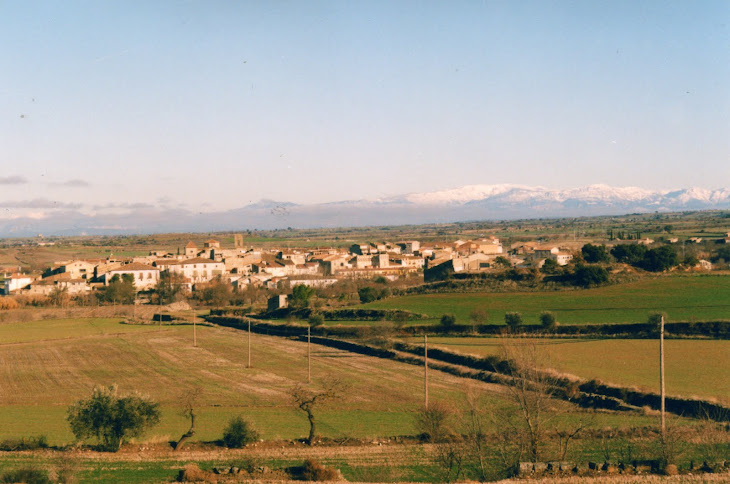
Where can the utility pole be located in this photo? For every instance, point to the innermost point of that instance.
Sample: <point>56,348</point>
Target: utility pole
<point>309,354</point>
<point>425,371</point>
<point>249,344</point>
<point>195,332</point>
<point>661,370</point>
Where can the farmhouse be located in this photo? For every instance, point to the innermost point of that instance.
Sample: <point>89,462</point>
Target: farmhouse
<point>61,282</point>
<point>15,283</point>
<point>195,270</point>
<point>145,276</point>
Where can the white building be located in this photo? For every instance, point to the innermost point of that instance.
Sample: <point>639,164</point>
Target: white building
<point>145,277</point>
<point>16,282</point>
<point>197,270</point>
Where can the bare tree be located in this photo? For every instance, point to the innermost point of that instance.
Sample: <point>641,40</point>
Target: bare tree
<point>475,435</point>
<point>189,400</point>
<point>309,401</point>
<point>530,390</point>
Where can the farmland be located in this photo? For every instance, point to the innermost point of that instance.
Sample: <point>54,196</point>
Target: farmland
<point>51,364</point>
<point>43,372</point>
<point>40,378</point>
<point>693,367</point>
<point>683,298</point>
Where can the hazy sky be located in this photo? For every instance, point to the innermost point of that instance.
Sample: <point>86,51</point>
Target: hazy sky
<point>212,105</point>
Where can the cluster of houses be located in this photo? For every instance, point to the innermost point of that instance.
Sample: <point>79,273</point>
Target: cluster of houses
<point>242,267</point>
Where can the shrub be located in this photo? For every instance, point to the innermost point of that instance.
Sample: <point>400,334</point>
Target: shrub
<point>312,470</point>
<point>111,418</point>
<point>8,303</point>
<point>513,319</point>
<point>27,475</point>
<point>24,443</point>
<point>656,318</point>
<point>589,275</point>
<point>432,422</point>
<point>478,317</point>
<point>239,433</point>
<point>368,294</point>
<point>448,320</point>
<point>548,320</point>
<point>595,253</point>
<point>316,319</point>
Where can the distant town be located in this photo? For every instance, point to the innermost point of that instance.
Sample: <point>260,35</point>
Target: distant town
<point>198,264</point>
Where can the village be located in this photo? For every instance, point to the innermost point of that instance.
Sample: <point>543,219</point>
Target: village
<point>242,267</point>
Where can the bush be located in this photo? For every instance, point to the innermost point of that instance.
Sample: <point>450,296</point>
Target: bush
<point>548,320</point>
<point>316,319</point>
<point>24,443</point>
<point>656,318</point>
<point>8,303</point>
<point>513,319</point>
<point>239,433</point>
<point>589,275</point>
<point>312,470</point>
<point>111,418</point>
<point>594,253</point>
<point>448,320</point>
<point>367,294</point>
<point>27,475</point>
<point>432,422</point>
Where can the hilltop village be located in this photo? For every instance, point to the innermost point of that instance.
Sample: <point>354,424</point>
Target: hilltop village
<point>197,265</point>
<point>241,267</point>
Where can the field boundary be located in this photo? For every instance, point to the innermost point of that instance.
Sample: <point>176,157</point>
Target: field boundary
<point>586,393</point>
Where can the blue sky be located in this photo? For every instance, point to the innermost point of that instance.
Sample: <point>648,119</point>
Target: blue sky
<point>212,105</point>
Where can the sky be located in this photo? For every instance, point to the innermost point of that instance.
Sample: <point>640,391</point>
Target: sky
<point>212,105</point>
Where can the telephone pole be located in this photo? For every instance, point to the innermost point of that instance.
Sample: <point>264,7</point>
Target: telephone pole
<point>661,371</point>
<point>249,344</point>
<point>425,371</point>
<point>309,354</point>
<point>195,333</point>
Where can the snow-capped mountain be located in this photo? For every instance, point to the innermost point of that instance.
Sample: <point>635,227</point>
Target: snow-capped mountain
<point>589,194</point>
<point>472,202</point>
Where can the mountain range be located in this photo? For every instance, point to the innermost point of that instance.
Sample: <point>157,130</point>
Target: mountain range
<point>467,203</point>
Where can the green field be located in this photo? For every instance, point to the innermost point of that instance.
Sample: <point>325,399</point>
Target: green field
<point>45,366</point>
<point>51,364</point>
<point>683,298</point>
<point>693,367</point>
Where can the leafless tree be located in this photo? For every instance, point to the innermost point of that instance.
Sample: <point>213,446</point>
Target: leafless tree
<point>309,400</point>
<point>530,391</point>
<point>189,400</point>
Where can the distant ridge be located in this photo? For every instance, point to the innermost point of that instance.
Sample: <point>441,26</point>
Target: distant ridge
<point>471,202</point>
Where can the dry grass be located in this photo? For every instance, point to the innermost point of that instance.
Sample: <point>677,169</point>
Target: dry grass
<point>49,370</point>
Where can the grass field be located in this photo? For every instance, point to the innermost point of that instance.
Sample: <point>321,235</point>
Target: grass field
<point>42,372</point>
<point>683,298</point>
<point>693,367</point>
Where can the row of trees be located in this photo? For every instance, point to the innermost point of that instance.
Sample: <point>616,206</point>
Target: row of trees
<point>112,419</point>
<point>513,319</point>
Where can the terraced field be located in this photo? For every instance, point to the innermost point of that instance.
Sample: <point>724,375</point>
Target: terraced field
<point>682,297</point>
<point>693,367</point>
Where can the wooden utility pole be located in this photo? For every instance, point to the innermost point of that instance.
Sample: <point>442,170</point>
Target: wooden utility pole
<point>248,365</point>
<point>195,332</point>
<point>661,370</point>
<point>309,354</point>
<point>425,371</point>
